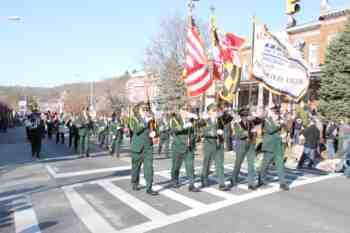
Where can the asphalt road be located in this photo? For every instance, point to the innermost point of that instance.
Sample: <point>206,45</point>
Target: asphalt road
<point>63,193</point>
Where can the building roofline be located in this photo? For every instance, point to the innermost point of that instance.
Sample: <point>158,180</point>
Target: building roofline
<point>314,25</point>
<point>335,13</point>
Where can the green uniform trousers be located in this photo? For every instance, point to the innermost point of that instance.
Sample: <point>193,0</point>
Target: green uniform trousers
<point>244,150</point>
<point>177,159</point>
<point>278,159</point>
<point>213,152</point>
<point>145,157</point>
<point>84,144</point>
<point>164,143</point>
<point>116,143</point>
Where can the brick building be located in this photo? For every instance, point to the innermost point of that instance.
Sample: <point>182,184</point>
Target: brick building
<point>313,38</point>
<point>142,87</point>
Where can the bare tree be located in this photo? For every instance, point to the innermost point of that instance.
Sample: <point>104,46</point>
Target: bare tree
<point>165,56</point>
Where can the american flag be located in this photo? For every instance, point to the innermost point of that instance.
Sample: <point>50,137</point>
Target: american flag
<point>196,76</point>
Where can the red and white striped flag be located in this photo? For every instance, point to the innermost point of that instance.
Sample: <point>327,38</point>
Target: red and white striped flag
<point>196,76</point>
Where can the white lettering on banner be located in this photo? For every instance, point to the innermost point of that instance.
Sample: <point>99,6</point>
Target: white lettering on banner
<point>278,65</point>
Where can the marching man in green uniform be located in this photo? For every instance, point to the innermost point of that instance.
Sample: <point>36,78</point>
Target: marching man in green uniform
<point>102,125</point>
<point>214,145</point>
<point>117,135</point>
<point>245,132</point>
<point>272,147</point>
<point>85,125</point>
<point>183,146</point>
<point>142,147</point>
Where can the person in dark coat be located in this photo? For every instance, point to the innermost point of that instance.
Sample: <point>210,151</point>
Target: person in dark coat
<point>37,132</point>
<point>311,145</point>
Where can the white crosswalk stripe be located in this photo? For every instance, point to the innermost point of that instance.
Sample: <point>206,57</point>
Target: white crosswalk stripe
<point>87,214</point>
<point>128,199</point>
<point>25,217</point>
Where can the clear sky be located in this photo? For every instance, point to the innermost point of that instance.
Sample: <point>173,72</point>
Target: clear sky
<point>62,41</point>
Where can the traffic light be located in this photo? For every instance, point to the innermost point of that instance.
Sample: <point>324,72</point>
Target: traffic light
<point>293,7</point>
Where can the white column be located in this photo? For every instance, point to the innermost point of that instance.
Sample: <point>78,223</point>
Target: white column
<point>260,96</point>
<point>270,99</point>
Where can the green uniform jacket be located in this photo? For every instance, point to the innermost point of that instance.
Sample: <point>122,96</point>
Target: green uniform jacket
<point>140,139</point>
<point>101,126</point>
<point>183,138</point>
<point>81,130</point>
<point>272,141</point>
<point>116,129</point>
<point>209,131</point>
<point>164,130</point>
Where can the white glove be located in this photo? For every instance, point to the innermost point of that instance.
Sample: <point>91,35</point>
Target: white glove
<point>118,128</point>
<point>192,116</point>
<point>205,116</point>
<point>188,125</point>
<point>220,132</point>
<point>114,137</point>
<point>152,134</point>
<point>148,119</point>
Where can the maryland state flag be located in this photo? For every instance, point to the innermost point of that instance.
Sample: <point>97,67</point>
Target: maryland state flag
<point>227,65</point>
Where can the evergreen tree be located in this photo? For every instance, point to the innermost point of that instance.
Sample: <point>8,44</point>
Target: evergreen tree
<point>335,78</point>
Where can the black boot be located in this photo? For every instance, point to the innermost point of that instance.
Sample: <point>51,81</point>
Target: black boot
<point>176,184</point>
<point>224,188</point>
<point>204,183</point>
<point>252,187</point>
<point>135,187</point>
<point>260,182</point>
<point>150,191</point>
<point>232,184</point>
<point>193,188</point>
<point>284,187</point>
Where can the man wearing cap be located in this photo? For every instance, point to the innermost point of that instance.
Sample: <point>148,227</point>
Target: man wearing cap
<point>85,126</point>
<point>272,147</point>
<point>214,144</point>
<point>181,126</point>
<point>245,132</point>
<point>141,147</point>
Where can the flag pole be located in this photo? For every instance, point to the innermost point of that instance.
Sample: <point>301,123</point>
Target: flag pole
<point>252,61</point>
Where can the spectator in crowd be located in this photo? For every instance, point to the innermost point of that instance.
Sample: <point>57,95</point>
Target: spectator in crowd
<point>70,127</point>
<point>61,129</point>
<point>312,141</point>
<point>49,124</point>
<point>331,135</point>
<point>27,125</point>
<point>344,137</point>
<point>297,128</point>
